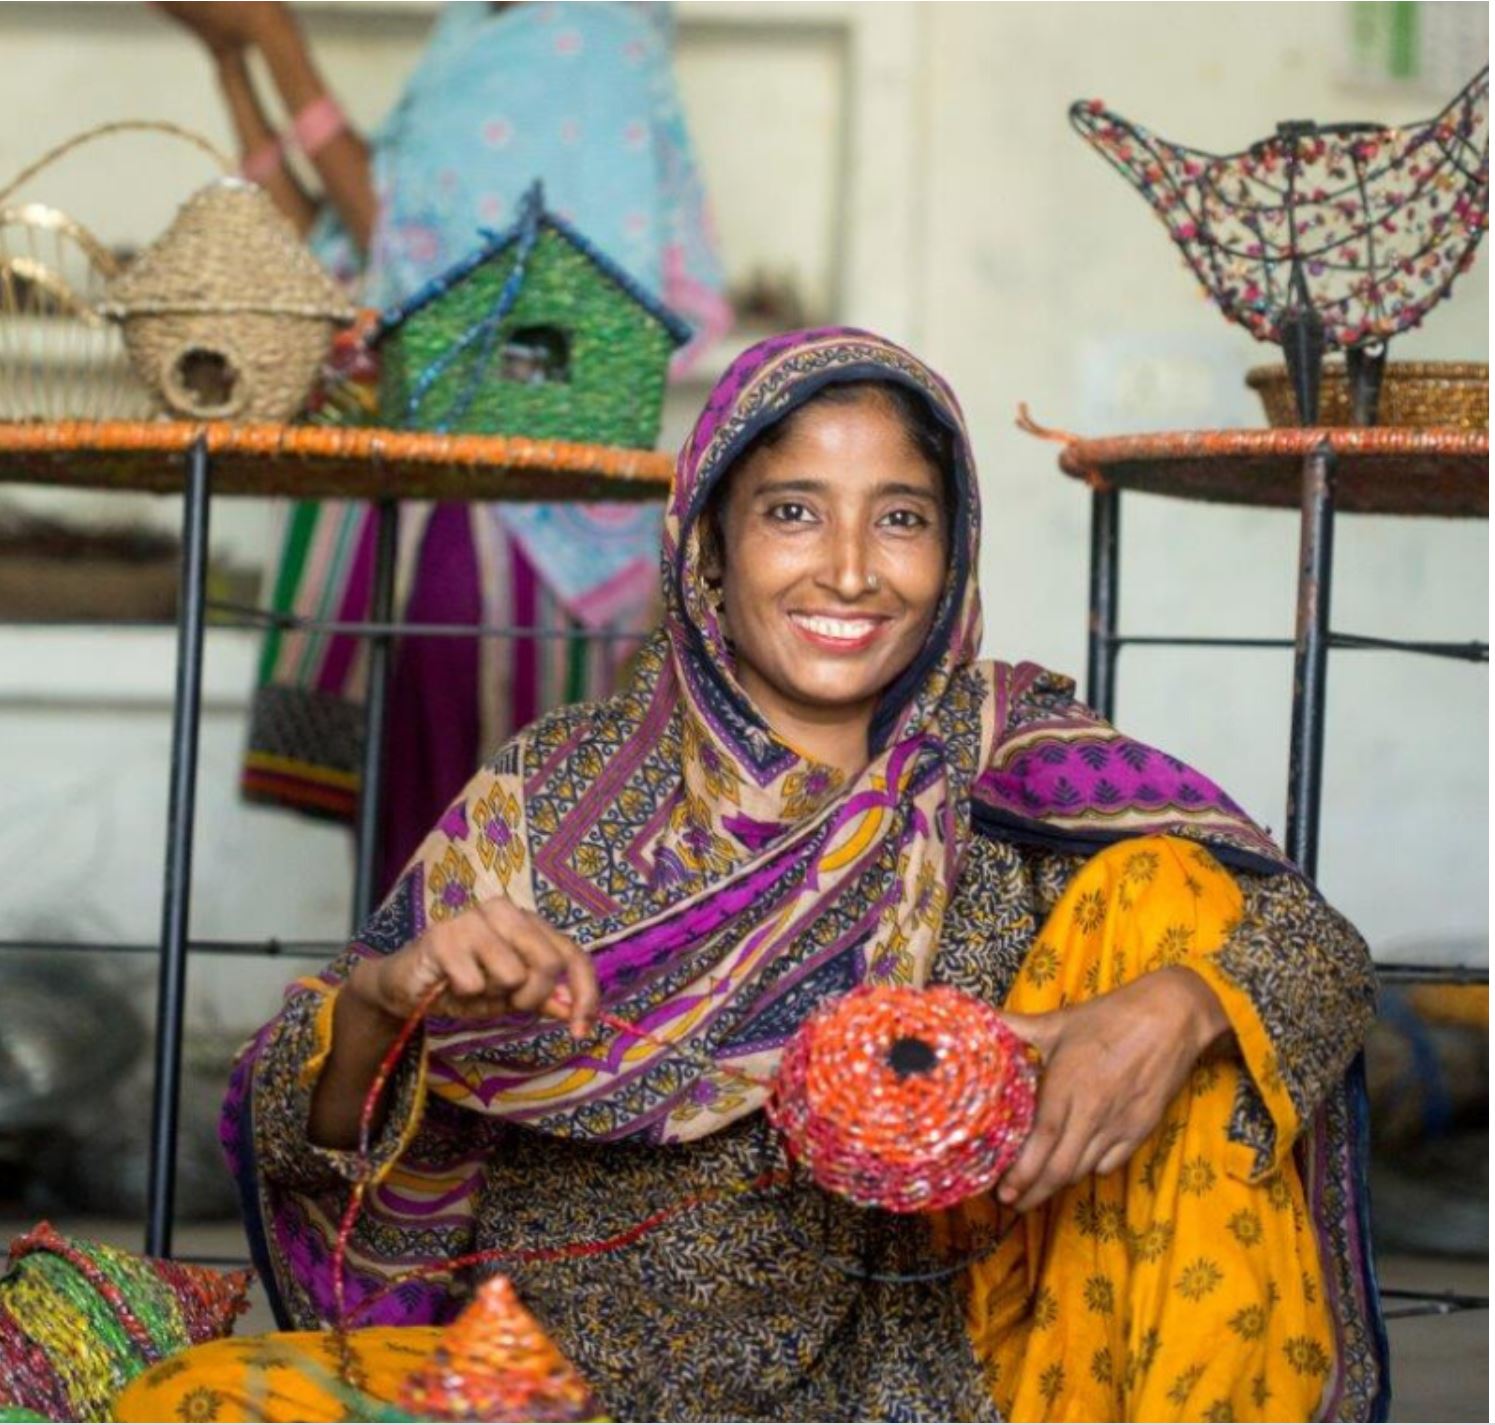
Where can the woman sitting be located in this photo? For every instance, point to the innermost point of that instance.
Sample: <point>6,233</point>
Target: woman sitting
<point>812,783</point>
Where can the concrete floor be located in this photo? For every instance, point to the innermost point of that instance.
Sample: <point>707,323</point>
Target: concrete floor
<point>1440,1364</point>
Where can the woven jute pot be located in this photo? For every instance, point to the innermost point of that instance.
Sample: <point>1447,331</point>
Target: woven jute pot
<point>228,316</point>
<point>1451,395</point>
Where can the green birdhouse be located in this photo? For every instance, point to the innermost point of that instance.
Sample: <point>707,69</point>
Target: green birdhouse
<point>536,333</point>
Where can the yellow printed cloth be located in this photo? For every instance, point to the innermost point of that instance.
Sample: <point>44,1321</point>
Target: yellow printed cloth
<point>1175,1288</point>
<point>290,1375</point>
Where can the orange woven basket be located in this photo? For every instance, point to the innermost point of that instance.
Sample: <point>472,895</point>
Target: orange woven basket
<point>1449,395</point>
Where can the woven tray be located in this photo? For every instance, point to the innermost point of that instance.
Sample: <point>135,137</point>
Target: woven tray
<point>1388,472</point>
<point>1446,395</point>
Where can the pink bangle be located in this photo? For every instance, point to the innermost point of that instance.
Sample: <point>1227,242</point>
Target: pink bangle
<point>317,125</point>
<point>264,163</point>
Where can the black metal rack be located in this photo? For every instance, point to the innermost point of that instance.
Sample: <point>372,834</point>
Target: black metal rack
<point>385,467</point>
<point>1323,472</point>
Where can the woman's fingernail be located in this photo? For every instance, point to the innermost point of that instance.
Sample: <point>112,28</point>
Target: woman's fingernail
<point>561,994</point>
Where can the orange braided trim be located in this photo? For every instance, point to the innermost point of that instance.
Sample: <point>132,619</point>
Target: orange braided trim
<point>1083,458</point>
<point>334,443</point>
<point>1026,423</point>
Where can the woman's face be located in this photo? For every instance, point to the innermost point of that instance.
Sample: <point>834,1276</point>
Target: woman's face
<point>834,562</point>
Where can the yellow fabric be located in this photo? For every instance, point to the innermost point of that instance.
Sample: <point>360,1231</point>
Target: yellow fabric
<point>1466,1005</point>
<point>291,1375</point>
<point>1174,1288</point>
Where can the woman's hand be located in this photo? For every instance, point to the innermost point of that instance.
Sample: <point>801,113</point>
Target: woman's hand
<point>494,959</point>
<point>224,28</point>
<point>1111,1067</point>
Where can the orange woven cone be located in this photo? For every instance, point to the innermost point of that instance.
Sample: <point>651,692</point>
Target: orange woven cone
<point>496,1363</point>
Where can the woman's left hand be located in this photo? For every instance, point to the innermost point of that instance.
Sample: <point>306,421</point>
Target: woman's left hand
<point>1111,1066</point>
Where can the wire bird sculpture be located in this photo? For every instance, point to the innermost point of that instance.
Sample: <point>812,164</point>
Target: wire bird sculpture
<point>1323,236</point>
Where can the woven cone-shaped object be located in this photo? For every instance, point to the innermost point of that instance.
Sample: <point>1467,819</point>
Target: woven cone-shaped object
<point>227,316</point>
<point>495,1363</point>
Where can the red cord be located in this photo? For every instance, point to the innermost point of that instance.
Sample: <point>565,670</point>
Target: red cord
<point>772,1178</point>
<point>365,1134</point>
<point>622,1239</point>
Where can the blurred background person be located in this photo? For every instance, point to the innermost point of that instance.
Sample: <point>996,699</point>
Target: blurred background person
<point>583,98</point>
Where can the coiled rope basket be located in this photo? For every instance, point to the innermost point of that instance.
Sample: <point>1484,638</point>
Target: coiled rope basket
<point>226,316</point>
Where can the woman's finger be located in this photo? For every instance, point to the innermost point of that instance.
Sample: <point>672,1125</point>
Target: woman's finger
<point>1059,1168</point>
<point>462,969</point>
<point>1040,1030</point>
<point>585,993</point>
<point>504,969</point>
<point>471,1007</point>
<point>1117,1155</point>
<point>523,933</point>
<point>546,963</point>
<point>1095,1152</point>
<point>1048,1129</point>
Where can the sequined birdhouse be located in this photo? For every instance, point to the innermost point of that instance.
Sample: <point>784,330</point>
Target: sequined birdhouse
<point>535,333</point>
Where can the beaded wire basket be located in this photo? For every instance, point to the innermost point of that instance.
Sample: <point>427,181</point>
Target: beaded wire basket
<point>1320,237</point>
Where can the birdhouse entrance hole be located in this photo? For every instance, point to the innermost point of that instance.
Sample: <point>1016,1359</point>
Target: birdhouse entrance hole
<point>536,356</point>
<point>204,382</point>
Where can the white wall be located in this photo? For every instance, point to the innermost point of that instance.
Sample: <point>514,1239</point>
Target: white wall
<point>1045,279</point>
<point>978,228</point>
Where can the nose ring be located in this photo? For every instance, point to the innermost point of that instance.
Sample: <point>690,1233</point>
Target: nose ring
<point>873,582</point>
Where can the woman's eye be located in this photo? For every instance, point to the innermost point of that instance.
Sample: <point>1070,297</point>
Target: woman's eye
<point>789,513</point>
<point>906,519</point>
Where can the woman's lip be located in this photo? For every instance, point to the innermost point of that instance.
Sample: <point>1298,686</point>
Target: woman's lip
<point>840,645</point>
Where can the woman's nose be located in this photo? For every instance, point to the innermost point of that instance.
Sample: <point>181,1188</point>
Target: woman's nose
<point>850,567</point>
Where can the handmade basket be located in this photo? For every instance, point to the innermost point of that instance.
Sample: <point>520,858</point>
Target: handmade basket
<point>60,358</point>
<point>228,316</point>
<point>1452,395</point>
<point>909,1100</point>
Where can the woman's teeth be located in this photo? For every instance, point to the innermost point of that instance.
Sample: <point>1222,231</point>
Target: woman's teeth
<point>849,629</point>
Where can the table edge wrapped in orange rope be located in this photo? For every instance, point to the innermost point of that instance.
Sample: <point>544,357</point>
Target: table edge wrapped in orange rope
<point>1381,469</point>
<point>318,461</point>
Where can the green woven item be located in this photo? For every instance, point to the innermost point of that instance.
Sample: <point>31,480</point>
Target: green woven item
<point>537,333</point>
<point>79,1321</point>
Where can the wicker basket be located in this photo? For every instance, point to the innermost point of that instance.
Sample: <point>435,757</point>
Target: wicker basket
<point>59,358</point>
<point>228,316</point>
<point>1453,395</point>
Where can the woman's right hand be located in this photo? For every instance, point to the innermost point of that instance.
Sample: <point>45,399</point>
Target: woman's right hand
<point>494,959</point>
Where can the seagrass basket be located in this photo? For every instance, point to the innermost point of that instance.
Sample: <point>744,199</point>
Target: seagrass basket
<point>1452,395</point>
<point>60,358</point>
<point>228,316</point>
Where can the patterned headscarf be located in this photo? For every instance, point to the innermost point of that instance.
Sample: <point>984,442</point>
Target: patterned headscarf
<point>723,883</point>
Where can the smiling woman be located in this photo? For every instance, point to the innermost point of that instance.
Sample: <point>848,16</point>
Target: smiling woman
<point>812,784</point>
<point>831,561</point>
